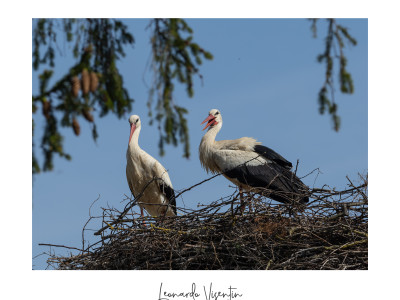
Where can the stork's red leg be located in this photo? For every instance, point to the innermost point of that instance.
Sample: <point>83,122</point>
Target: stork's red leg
<point>250,205</point>
<point>241,200</point>
<point>141,213</point>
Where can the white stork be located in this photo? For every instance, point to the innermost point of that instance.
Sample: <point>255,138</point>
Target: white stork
<point>145,174</point>
<point>249,165</point>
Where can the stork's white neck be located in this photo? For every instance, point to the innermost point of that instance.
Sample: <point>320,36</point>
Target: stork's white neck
<point>210,135</point>
<point>134,143</point>
<point>207,147</point>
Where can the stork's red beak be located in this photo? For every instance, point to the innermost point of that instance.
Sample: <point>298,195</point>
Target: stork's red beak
<point>133,127</point>
<point>211,121</point>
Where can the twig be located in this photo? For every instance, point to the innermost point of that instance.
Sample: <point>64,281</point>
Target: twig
<point>330,233</point>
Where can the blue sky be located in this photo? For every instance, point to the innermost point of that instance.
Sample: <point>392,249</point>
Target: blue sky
<point>264,79</point>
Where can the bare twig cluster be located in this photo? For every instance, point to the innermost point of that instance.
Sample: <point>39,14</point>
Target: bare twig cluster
<point>331,232</point>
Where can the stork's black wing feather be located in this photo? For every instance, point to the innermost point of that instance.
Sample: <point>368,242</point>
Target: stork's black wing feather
<point>270,154</point>
<point>281,182</point>
<point>169,192</point>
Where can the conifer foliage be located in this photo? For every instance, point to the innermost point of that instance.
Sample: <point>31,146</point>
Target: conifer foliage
<point>95,81</point>
<point>334,48</point>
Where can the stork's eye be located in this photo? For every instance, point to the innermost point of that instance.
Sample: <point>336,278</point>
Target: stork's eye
<point>217,113</point>
<point>136,121</point>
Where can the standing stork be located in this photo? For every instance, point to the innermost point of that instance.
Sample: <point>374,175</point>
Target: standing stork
<point>249,165</point>
<point>146,175</point>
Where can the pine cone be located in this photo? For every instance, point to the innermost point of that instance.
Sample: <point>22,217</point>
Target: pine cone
<point>76,86</point>
<point>88,116</point>
<point>76,127</point>
<point>89,48</point>
<point>46,109</point>
<point>85,81</point>
<point>94,82</point>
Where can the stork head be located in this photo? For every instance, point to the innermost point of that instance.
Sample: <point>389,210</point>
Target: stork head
<point>214,118</point>
<point>134,122</point>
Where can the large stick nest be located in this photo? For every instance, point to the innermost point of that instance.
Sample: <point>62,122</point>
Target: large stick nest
<point>330,232</point>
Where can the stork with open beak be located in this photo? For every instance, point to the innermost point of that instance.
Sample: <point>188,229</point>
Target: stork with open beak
<point>146,175</point>
<point>249,165</point>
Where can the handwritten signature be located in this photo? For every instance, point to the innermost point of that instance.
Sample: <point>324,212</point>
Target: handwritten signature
<point>209,293</point>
